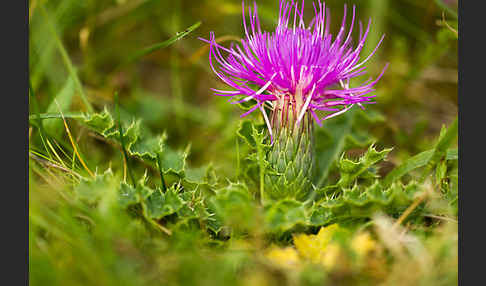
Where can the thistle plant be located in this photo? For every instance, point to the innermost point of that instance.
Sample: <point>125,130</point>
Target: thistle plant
<point>302,75</point>
<point>120,195</point>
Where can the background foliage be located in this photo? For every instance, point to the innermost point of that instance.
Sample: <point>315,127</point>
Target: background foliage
<point>139,176</point>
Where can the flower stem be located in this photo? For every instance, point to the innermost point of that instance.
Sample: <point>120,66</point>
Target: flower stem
<point>262,172</point>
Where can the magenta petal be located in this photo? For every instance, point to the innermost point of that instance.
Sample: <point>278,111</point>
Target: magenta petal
<point>295,60</point>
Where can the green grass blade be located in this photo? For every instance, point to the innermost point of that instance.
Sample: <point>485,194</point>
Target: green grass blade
<point>427,158</point>
<point>177,89</point>
<point>42,47</point>
<point>122,141</point>
<point>38,122</point>
<point>440,150</point>
<point>162,45</point>
<point>413,163</point>
<point>67,61</point>
<point>41,116</point>
<point>64,98</point>
<point>448,9</point>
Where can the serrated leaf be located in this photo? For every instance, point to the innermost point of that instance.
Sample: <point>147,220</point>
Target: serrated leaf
<point>285,214</point>
<point>155,205</point>
<point>128,195</point>
<point>363,203</point>
<point>351,170</point>
<point>160,204</point>
<point>194,206</point>
<point>197,175</point>
<point>244,132</point>
<point>234,207</point>
<point>92,189</point>
<point>320,216</point>
<point>354,196</point>
<point>340,133</point>
<point>147,146</point>
<point>100,122</point>
<point>173,161</point>
<point>142,188</point>
<point>140,142</point>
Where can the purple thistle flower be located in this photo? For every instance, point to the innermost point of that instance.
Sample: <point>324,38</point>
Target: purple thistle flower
<point>295,68</point>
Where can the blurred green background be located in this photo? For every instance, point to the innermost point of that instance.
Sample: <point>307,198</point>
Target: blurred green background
<point>85,51</point>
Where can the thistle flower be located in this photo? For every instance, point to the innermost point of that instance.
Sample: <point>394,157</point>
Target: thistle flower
<point>297,69</point>
<point>300,72</point>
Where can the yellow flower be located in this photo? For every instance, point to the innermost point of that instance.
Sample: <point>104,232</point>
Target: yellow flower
<point>332,257</point>
<point>312,247</point>
<point>285,257</point>
<point>363,244</point>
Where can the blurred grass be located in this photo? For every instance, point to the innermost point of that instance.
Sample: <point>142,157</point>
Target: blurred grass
<point>78,58</point>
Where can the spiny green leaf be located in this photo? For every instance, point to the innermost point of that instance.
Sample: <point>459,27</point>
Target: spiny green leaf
<point>244,132</point>
<point>132,196</point>
<point>194,206</point>
<point>100,122</point>
<point>363,203</point>
<point>197,175</point>
<point>342,133</point>
<point>146,146</point>
<point>234,207</point>
<point>285,214</point>
<point>351,170</point>
<point>160,204</point>
<point>128,195</point>
<point>92,189</point>
<point>204,176</point>
<point>173,161</point>
<point>140,142</point>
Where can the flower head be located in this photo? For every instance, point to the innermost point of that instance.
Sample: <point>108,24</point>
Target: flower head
<point>304,67</point>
